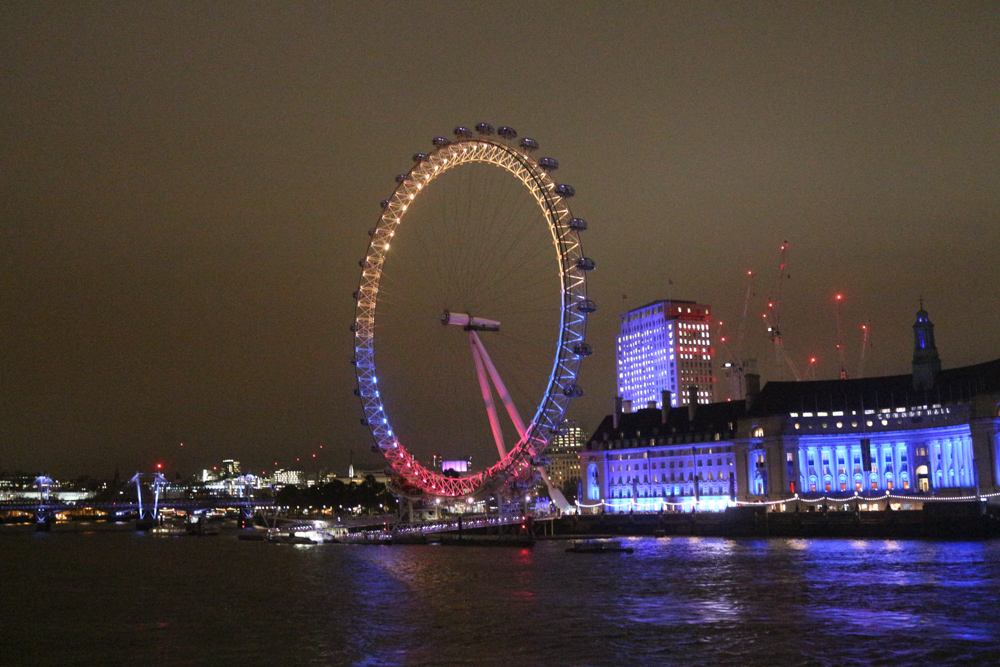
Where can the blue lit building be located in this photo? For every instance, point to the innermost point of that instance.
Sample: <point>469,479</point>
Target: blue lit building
<point>932,433</point>
<point>666,346</point>
<point>666,459</point>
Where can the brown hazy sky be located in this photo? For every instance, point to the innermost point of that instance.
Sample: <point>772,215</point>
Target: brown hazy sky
<point>185,189</point>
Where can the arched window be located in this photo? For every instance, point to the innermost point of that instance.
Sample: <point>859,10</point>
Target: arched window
<point>923,483</point>
<point>593,485</point>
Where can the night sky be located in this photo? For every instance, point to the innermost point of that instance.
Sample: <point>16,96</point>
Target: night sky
<point>185,190</point>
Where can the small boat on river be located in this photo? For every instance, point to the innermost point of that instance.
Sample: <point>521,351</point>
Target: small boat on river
<point>201,526</point>
<point>598,547</point>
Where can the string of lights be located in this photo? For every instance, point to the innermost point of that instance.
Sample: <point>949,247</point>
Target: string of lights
<point>634,504</point>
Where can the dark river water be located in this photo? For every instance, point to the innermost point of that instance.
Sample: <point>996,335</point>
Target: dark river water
<point>113,597</point>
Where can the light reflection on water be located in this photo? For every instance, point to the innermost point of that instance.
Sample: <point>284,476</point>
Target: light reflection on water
<point>117,597</point>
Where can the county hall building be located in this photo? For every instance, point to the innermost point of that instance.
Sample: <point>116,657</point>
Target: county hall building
<point>929,434</point>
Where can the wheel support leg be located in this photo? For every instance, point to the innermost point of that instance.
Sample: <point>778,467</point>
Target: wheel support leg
<point>484,385</point>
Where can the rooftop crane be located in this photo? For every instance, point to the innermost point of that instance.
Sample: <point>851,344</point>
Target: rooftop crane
<point>840,340</point>
<point>864,347</point>
<point>810,373</point>
<point>741,330</point>
<point>772,317</point>
<point>737,367</point>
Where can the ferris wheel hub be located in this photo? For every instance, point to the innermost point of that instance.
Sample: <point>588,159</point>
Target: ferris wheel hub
<point>468,322</point>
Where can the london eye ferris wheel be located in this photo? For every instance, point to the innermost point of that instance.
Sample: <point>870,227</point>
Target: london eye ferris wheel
<point>481,295</point>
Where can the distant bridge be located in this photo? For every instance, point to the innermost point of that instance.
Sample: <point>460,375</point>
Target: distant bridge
<point>189,504</point>
<point>44,512</point>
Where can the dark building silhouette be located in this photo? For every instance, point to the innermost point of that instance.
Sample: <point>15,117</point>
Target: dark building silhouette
<point>926,363</point>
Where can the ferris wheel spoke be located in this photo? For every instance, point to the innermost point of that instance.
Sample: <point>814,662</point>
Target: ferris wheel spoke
<point>500,281</point>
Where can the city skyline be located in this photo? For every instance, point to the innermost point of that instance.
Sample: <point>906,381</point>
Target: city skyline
<point>186,192</point>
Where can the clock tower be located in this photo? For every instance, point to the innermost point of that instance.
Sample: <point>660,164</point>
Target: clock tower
<point>926,363</point>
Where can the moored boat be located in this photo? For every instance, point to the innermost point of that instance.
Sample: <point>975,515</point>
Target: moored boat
<point>200,526</point>
<point>598,547</point>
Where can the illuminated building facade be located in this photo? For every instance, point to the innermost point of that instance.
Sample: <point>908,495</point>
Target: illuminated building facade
<point>930,433</point>
<point>666,346</point>
<point>874,435</point>
<point>283,477</point>
<point>564,453</point>
<point>460,466</point>
<point>933,433</point>
<point>666,459</point>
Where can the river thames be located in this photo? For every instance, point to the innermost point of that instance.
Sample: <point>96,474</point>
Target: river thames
<point>107,596</point>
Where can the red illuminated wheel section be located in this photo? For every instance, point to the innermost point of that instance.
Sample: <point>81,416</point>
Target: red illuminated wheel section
<point>470,319</point>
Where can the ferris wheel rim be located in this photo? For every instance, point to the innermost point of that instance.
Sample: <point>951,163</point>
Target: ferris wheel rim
<point>573,266</point>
